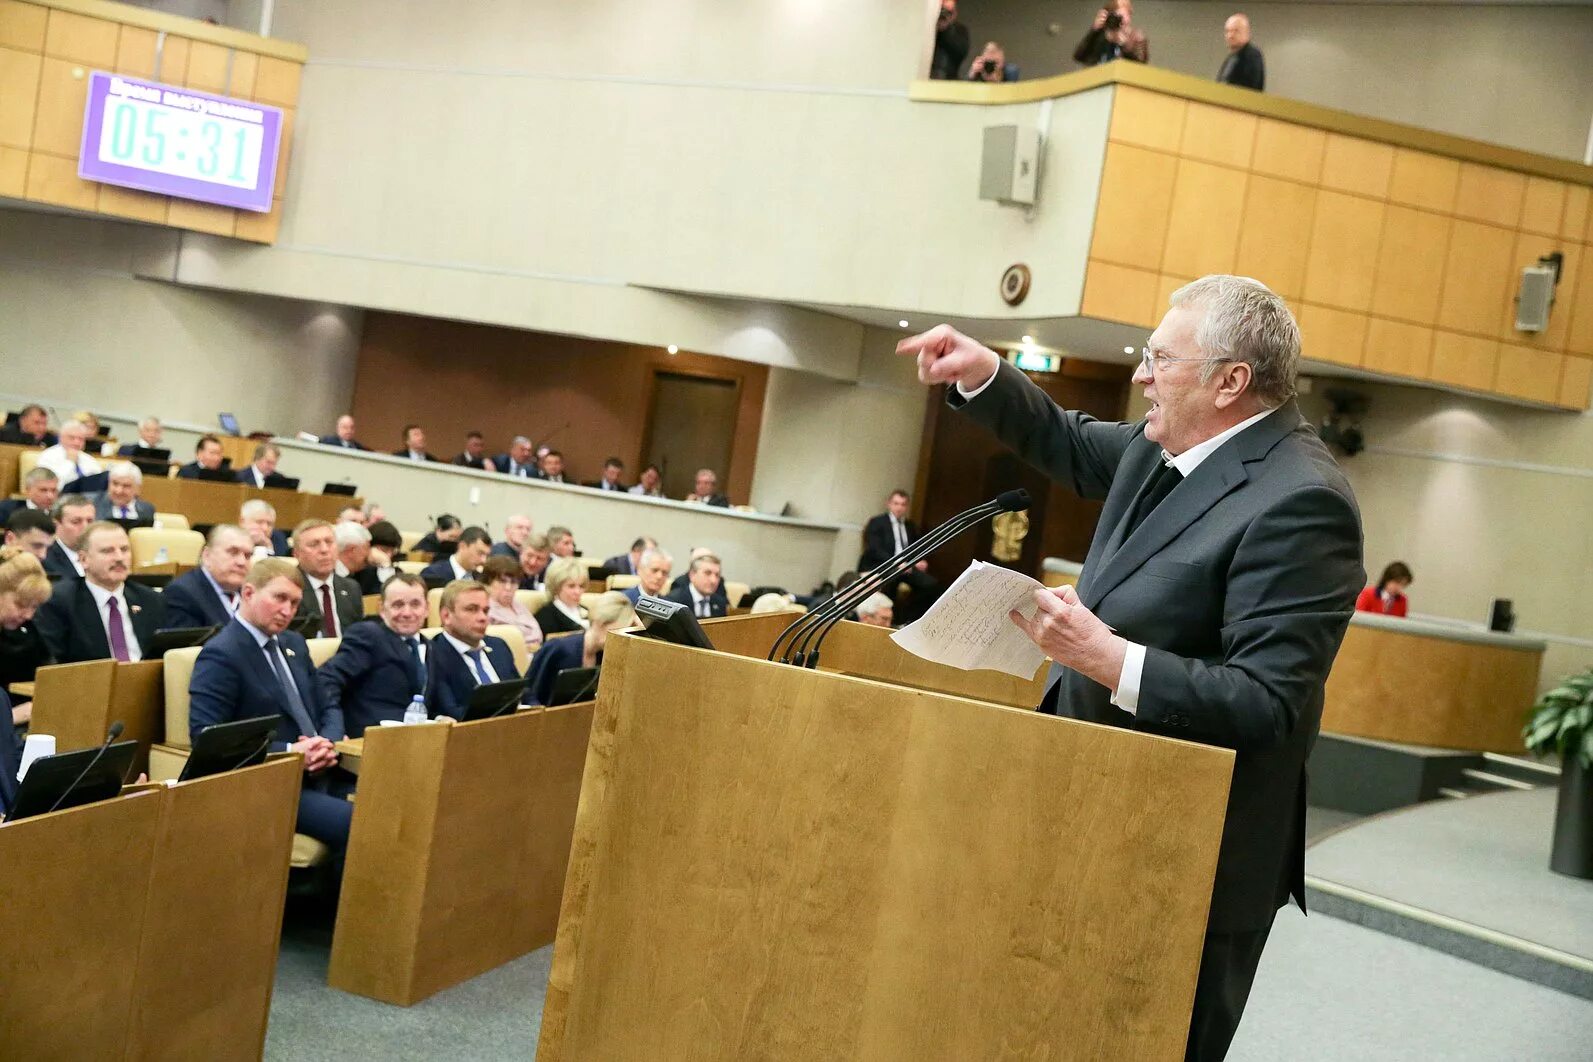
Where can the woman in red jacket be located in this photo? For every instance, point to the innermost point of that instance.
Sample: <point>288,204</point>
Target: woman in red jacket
<point>1388,596</point>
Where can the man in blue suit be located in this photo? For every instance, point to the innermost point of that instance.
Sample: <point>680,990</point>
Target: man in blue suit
<point>630,563</point>
<point>464,656</point>
<point>345,435</point>
<point>519,461</point>
<point>208,596</point>
<point>474,547</point>
<point>120,500</point>
<point>257,667</point>
<point>379,666</point>
<point>258,517</point>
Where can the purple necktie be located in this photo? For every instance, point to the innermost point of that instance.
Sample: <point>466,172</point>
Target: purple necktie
<point>114,628</point>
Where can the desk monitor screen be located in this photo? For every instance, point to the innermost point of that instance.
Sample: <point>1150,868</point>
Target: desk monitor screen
<point>163,642</point>
<point>494,698</point>
<point>307,625</point>
<point>229,423</point>
<point>276,481</point>
<point>218,475</point>
<point>55,783</point>
<point>232,746</point>
<point>345,489</point>
<point>573,684</point>
<point>670,621</point>
<point>151,466</point>
<point>150,453</point>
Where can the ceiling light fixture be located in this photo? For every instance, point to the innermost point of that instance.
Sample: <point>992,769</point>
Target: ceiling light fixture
<point>673,349</point>
<point>1029,340</point>
<point>903,324</point>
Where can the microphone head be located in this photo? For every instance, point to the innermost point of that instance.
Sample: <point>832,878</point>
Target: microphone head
<point>1013,500</point>
<point>115,731</point>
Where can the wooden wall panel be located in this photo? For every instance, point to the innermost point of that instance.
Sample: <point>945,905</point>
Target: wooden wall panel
<point>22,25</point>
<point>1489,194</point>
<point>1542,206</point>
<point>1284,149</point>
<point>1423,180</point>
<point>1528,373</point>
<point>81,39</point>
<point>1398,349</point>
<point>1579,335</point>
<point>1332,335</point>
<point>1350,164</point>
<point>1218,134</point>
<point>1136,199</point>
<point>1576,382</point>
<point>1464,361</point>
<point>1147,119</point>
<point>1574,223</point>
<point>13,172</point>
<point>1477,275</point>
<point>1275,233</point>
<point>1201,234</point>
<point>1410,265</point>
<point>1116,293</point>
<point>1344,240</point>
<point>19,96</point>
<point>58,125</point>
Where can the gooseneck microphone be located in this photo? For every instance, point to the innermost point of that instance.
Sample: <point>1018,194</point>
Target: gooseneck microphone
<point>110,736</point>
<point>816,624</point>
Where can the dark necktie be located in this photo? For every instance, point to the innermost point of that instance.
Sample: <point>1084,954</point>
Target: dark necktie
<point>475,662</point>
<point>115,631</point>
<point>702,607</point>
<point>419,665</point>
<point>328,616</point>
<point>1161,484</point>
<point>290,689</point>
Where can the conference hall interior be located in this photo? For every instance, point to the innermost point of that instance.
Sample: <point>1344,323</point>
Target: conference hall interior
<point>794,530</point>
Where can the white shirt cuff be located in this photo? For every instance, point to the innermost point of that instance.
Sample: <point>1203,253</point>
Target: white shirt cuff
<point>1126,696</point>
<point>977,391</point>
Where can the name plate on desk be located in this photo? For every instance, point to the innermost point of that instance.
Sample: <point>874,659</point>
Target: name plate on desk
<point>178,142</point>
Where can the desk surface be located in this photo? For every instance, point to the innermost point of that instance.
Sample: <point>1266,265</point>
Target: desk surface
<point>22,689</point>
<point>1448,630</point>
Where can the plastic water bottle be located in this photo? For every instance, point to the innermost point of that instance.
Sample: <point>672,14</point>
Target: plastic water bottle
<point>416,712</point>
<point>161,556</point>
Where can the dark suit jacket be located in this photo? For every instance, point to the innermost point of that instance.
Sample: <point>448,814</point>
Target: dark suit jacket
<point>352,444</point>
<point>440,570</point>
<point>718,603</point>
<point>1240,584</point>
<point>346,597</point>
<point>189,471</point>
<point>71,627</point>
<point>371,677</point>
<point>561,654</point>
<point>9,506</point>
<point>539,582</point>
<point>504,549</point>
<point>464,460</point>
<point>452,678</point>
<point>403,451</point>
<point>22,653</point>
<point>232,681</point>
<point>1247,68</point>
<point>620,564</point>
<point>552,621</point>
<point>501,463</point>
<point>597,484</point>
<point>13,435</point>
<point>10,761</point>
<point>58,562</point>
<point>679,583</point>
<point>879,544</point>
<point>368,579</point>
<point>718,501</point>
<point>143,511</point>
<point>192,602</point>
<point>279,544</point>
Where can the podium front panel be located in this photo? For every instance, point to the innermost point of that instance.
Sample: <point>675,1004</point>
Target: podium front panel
<point>782,864</point>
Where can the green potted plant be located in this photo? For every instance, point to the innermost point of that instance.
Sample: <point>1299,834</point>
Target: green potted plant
<point>1562,723</point>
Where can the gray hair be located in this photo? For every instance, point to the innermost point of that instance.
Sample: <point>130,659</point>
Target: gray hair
<point>256,507</point>
<point>38,474</point>
<point>872,604</point>
<point>126,470</point>
<point>520,440</point>
<point>347,534</point>
<point>1245,322</point>
<point>655,554</point>
<point>149,422</point>
<point>221,531</point>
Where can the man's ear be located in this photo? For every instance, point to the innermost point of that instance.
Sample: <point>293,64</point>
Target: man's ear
<point>1233,381</point>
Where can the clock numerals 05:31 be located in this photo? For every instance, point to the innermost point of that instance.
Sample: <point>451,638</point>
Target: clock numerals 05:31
<point>157,140</point>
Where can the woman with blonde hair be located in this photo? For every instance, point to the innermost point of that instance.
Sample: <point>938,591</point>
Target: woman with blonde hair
<point>23,588</point>
<point>502,578</point>
<point>566,582</point>
<point>611,612</point>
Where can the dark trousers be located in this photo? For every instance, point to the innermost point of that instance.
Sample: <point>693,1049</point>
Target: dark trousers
<point>1227,969</point>
<point>325,812</point>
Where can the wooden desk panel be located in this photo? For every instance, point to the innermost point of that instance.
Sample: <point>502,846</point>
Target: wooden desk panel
<point>204,502</point>
<point>78,702</point>
<point>1425,690</point>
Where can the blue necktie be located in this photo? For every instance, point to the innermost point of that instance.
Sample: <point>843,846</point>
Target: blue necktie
<point>290,689</point>
<point>475,662</point>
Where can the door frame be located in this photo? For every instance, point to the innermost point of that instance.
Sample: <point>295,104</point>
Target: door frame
<point>653,372</point>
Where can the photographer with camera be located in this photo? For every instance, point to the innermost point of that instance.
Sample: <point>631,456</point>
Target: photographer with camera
<point>1113,36</point>
<point>951,43</point>
<point>991,65</point>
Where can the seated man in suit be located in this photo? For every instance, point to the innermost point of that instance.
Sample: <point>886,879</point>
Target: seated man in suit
<point>654,569</point>
<point>443,537</point>
<point>474,455</point>
<point>73,514</point>
<point>332,600</point>
<point>561,541</point>
<point>67,458</point>
<point>343,435</point>
<point>474,547</point>
<point>534,559</point>
<point>120,500</point>
<point>31,429</point>
<point>101,616</point>
<point>876,611</point>
<point>518,461</point>
<point>613,477</point>
<point>611,612</point>
<point>683,580</point>
<point>31,530</point>
<point>256,667</point>
<point>552,467</point>
<point>40,486</point>
<point>702,590</point>
<point>414,448</point>
<point>387,549</point>
<point>380,666</point>
<point>650,484</point>
<point>353,544</point>
<point>207,455</point>
<point>351,514</point>
<point>630,563</point>
<point>516,529</point>
<point>705,490</point>
<point>263,467</point>
<point>888,534</point>
<point>464,655</point>
<point>150,434</point>
<point>208,596</point>
<point>259,518</point>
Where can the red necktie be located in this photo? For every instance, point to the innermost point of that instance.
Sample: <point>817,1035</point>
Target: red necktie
<point>328,616</point>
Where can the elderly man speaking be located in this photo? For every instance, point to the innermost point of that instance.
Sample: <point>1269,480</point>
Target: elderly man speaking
<point>1217,588</point>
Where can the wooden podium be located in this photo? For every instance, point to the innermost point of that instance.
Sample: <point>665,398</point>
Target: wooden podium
<point>147,926</point>
<point>785,864</point>
<point>78,703</point>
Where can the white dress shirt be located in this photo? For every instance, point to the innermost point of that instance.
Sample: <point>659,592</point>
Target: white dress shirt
<point>898,532</point>
<point>102,599</point>
<point>464,653</point>
<point>66,468</point>
<point>458,569</point>
<point>331,590</point>
<point>417,455</point>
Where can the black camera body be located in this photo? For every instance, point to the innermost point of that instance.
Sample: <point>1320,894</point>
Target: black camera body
<point>1114,20</point>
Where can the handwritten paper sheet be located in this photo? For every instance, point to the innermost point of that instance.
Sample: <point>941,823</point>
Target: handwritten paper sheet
<point>968,628</point>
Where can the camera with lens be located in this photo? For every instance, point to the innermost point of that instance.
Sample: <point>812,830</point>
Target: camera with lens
<point>1113,20</point>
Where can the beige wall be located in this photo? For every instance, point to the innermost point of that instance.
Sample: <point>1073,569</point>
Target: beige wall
<point>77,327</point>
<point>1510,74</point>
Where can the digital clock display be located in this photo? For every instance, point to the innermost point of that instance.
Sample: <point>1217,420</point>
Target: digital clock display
<point>175,141</point>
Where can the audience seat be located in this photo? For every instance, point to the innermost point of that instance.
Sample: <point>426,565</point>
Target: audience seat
<point>409,538</point>
<point>511,634</point>
<point>623,582</point>
<point>179,669</point>
<point>434,607</point>
<point>321,649</point>
<point>27,461</point>
<point>533,600</point>
<point>736,591</point>
<point>182,547</point>
<point>172,522</point>
<point>412,567</point>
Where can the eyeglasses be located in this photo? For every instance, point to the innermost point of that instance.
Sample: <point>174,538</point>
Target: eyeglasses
<point>1151,361</point>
